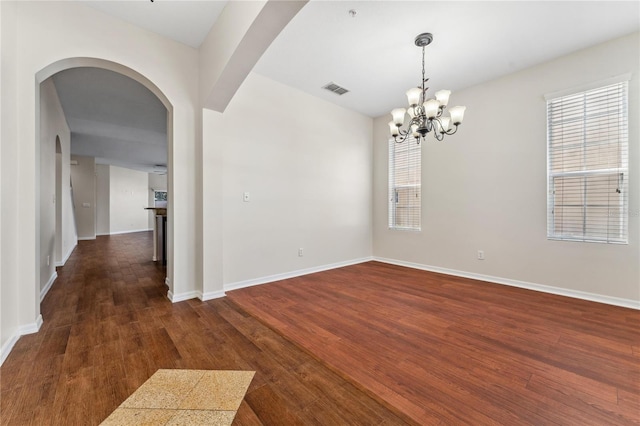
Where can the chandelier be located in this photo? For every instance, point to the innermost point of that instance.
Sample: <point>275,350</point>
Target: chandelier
<point>426,114</point>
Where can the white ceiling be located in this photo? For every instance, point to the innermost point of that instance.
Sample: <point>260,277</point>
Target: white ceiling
<point>113,118</point>
<point>374,56</point>
<point>371,54</point>
<point>185,21</point>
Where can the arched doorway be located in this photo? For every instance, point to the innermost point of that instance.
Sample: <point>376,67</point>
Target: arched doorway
<point>72,63</point>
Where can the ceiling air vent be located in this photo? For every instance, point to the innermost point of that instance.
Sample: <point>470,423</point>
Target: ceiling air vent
<point>332,87</point>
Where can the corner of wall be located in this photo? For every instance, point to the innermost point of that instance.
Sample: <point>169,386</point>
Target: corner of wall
<point>6,348</point>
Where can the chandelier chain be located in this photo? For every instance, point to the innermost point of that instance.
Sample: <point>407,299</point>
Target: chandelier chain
<point>426,115</point>
<point>423,76</point>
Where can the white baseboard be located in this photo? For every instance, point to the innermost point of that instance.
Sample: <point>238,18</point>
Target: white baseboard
<point>86,238</point>
<point>34,327</point>
<point>293,274</point>
<point>130,232</point>
<point>181,297</point>
<point>257,281</point>
<point>196,294</point>
<point>66,256</point>
<point>211,295</point>
<point>5,350</point>
<point>576,294</point>
<point>48,285</point>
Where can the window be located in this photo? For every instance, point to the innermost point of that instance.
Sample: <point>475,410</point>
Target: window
<point>587,162</point>
<point>404,184</point>
<point>160,198</point>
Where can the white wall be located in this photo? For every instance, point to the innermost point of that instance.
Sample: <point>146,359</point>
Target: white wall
<point>128,198</point>
<point>121,196</point>
<point>83,180</point>
<point>53,125</point>
<point>53,36</point>
<point>485,187</point>
<point>240,35</point>
<point>9,291</point>
<point>1,191</point>
<point>69,231</point>
<point>223,40</point>
<point>235,43</point>
<point>103,196</point>
<point>157,182</point>
<point>48,35</point>
<point>308,172</point>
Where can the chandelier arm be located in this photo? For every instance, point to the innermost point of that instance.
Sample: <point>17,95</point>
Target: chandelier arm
<point>451,132</point>
<point>435,128</point>
<point>446,132</point>
<point>405,133</point>
<point>419,110</point>
<point>403,136</point>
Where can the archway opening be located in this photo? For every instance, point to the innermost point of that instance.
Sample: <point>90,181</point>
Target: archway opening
<point>60,160</point>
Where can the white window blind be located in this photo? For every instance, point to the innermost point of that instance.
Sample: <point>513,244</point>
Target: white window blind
<point>587,134</point>
<point>404,184</point>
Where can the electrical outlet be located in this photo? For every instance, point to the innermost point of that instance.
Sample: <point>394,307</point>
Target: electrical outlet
<point>300,252</point>
<point>480,254</point>
<point>245,197</point>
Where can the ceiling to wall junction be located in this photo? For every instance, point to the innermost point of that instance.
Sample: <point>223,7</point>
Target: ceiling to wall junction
<point>373,55</point>
<point>370,52</point>
<point>185,21</point>
<point>113,118</point>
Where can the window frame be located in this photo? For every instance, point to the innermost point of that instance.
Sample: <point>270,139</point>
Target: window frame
<point>410,144</point>
<point>622,171</point>
<point>162,201</point>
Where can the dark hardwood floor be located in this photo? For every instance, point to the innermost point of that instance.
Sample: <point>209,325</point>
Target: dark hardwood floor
<point>108,327</point>
<point>448,350</point>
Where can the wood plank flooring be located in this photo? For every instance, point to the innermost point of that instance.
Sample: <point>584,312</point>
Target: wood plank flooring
<point>108,327</point>
<point>448,350</point>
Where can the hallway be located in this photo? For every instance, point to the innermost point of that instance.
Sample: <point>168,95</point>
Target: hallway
<point>108,327</point>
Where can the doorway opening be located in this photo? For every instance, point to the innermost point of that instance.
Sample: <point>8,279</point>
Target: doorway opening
<point>109,130</point>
